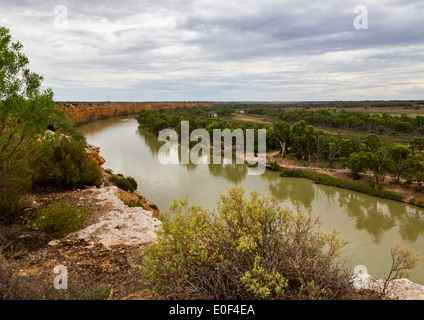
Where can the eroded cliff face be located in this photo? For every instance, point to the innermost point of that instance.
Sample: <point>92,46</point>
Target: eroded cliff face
<point>86,112</point>
<point>94,153</point>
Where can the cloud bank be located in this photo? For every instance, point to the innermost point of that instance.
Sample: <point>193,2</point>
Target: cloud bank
<point>222,50</point>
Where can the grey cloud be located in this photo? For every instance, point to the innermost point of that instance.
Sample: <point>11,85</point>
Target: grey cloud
<point>215,50</point>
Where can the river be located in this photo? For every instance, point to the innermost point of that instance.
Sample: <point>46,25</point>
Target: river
<point>370,225</point>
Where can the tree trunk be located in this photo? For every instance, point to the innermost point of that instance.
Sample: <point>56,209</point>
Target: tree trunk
<point>283,149</point>
<point>376,180</point>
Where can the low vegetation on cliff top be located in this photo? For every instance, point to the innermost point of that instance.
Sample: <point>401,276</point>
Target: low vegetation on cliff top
<point>248,249</point>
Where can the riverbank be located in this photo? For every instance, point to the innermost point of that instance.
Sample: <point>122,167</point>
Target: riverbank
<point>106,251</point>
<point>406,193</point>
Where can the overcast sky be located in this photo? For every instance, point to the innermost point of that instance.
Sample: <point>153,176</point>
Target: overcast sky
<point>267,50</point>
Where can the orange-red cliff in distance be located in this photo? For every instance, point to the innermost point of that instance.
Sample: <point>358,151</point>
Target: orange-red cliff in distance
<point>82,112</point>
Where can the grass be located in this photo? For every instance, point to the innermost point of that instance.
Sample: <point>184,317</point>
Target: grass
<point>327,180</point>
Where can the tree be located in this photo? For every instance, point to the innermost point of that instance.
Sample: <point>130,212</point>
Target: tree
<point>281,133</point>
<point>25,114</point>
<point>415,168</point>
<point>357,163</point>
<point>332,146</point>
<point>399,153</point>
<point>303,139</point>
<point>378,163</point>
<point>354,122</point>
<point>372,142</point>
<point>417,144</point>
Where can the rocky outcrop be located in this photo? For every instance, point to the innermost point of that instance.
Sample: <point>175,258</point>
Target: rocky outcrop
<point>94,153</point>
<point>120,225</point>
<point>397,289</point>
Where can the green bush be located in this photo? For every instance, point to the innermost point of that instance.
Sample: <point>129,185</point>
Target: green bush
<point>59,219</point>
<point>101,292</point>
<point>66,164</point>
<point>327,180</point>
<point>124,183</point>
<point>10,205</point>
<point>248,249</point>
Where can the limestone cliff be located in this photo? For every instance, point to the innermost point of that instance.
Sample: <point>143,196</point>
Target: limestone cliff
<point>80,113</point>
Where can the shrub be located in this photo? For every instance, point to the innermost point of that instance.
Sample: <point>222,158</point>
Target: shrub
<point>66,164</point>
<point>101,292</point>
<point>247,249</point>
<point>133,182</point>
<point>10,205</point>
<point>124,183</point>
<point>60,218</point>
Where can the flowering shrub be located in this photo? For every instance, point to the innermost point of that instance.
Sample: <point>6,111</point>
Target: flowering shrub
<point>247,249</point>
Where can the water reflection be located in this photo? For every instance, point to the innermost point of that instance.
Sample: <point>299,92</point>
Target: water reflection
<point>411,224</point>
<point>228,169</point>
<point>291,188</point>
<point>367,213</point>
<point>231,171</point>
<point>373,215</point>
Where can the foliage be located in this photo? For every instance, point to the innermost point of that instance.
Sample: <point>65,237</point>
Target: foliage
<point>357,163</point>
<point>101,292</point>
<point>415,168</point>
<point>124,183</point>
<point>340,183</point>
<point>399,153</point>
<point>379,162</point>
<point>403,262</point>
<point>59,219</point>
<point>302,140</point>
<point>281,133</point>
<point>26,112</point>
<point>247,249</point>
<point>66,164</point>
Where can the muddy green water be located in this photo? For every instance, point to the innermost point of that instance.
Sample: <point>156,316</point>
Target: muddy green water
<point>370,225</point>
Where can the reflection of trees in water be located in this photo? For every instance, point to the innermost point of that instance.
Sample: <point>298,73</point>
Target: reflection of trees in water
<point>293,188</point>
<point>375,216</point>
<point>368,215</point>
<point>233,172</point>
<point>411,224</point>
<point>372,214</point>
<point>150,141</point>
